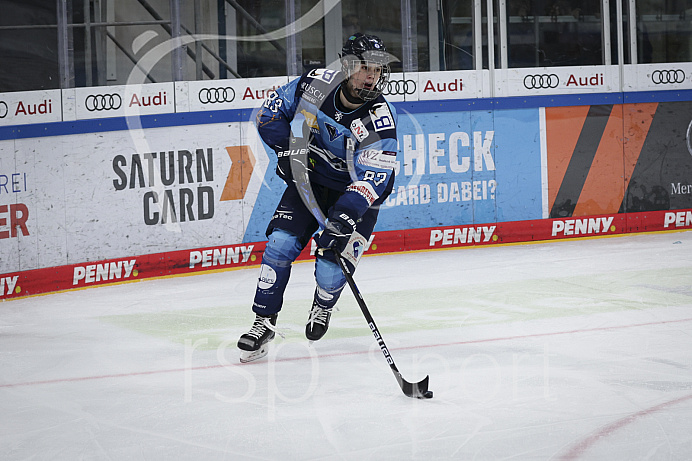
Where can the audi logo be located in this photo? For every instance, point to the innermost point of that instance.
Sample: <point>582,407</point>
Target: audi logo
<point>668,76</point>
<point>96,102</point>
<point>4,110</point>
<point>401,87</point>
<point>535,82</point>
<point>214,95</point>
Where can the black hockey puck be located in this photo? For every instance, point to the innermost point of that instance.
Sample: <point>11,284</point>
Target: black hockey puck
<point>427,394</point>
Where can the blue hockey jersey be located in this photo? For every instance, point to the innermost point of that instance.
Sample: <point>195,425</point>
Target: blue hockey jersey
<point>369,132</point>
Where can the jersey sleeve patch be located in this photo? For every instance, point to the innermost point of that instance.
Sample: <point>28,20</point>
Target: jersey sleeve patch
<point>382,118</point>
<point>365,190</point>
<point>358,129</point>
<point>373,158</point>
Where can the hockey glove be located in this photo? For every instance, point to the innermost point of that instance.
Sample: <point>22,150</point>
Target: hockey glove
<point>340,226</point>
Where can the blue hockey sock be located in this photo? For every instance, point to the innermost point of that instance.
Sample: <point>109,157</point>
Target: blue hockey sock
<point>330,282</point>
<point>282,249</point>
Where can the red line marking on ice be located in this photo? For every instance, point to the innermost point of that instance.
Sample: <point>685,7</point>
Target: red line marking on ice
<point>557,333</point>
<point>341,354</point>
<point>583,445</point>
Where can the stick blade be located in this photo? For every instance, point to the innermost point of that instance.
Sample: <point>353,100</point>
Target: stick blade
<point>417,390</point>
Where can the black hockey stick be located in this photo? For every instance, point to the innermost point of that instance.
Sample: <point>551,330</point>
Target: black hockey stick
<point>417,390</point>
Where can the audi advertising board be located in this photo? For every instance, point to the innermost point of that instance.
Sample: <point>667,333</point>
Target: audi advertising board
<point>452,85</point>
<point>662,76</point>
<point>224,94</point>
<point>556,80</point>
<point>402,87</point>
<point>118,101</point>
<point>429,86</point>
<point>28,107</point>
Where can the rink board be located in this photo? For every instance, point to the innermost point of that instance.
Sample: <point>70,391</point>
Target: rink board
<point>19,284</point>
<point>86,202</point>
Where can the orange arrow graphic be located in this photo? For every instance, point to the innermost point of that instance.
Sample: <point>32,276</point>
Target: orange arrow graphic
<point>243,162</point>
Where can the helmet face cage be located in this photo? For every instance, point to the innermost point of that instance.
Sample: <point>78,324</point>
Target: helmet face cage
<point>367,50</point>
<point>351,65</point>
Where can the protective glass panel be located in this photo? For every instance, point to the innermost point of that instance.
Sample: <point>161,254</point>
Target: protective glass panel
<point>663,31</point>
<point>28,46</point>
<point>457,26</point>
<point>382,18</point>
<point>554,33</point>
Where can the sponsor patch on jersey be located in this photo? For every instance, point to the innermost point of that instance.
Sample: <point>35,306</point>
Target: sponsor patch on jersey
<point>382,117</point>
<point>325,75</point>
<point>365,190</point>
<point>382,159</point>
<point>358,129</point>
<point>310,119</point>
<point>312,94</point>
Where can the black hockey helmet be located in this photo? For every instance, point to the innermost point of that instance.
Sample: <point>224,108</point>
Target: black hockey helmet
<point>362,48</point>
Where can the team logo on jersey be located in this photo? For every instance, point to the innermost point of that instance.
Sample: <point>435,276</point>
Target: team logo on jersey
<point>382,117</point>
<point>333,132</point>
<point>359,130</point>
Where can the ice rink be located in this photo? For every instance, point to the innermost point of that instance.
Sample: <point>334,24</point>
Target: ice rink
<point>563,350</point>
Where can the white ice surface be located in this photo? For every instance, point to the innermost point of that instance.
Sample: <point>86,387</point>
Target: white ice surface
<point>565,350</point>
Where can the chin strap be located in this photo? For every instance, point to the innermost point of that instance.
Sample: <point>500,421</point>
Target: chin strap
<point>349,97</point>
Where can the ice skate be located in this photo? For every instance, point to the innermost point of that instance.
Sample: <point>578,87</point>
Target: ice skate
<point>318,322</point>
<point>254,344</point>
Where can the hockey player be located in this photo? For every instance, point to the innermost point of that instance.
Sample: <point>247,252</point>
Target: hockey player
<point>350,149</point>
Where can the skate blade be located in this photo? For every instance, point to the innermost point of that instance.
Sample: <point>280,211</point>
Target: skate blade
<point>251,356</point>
